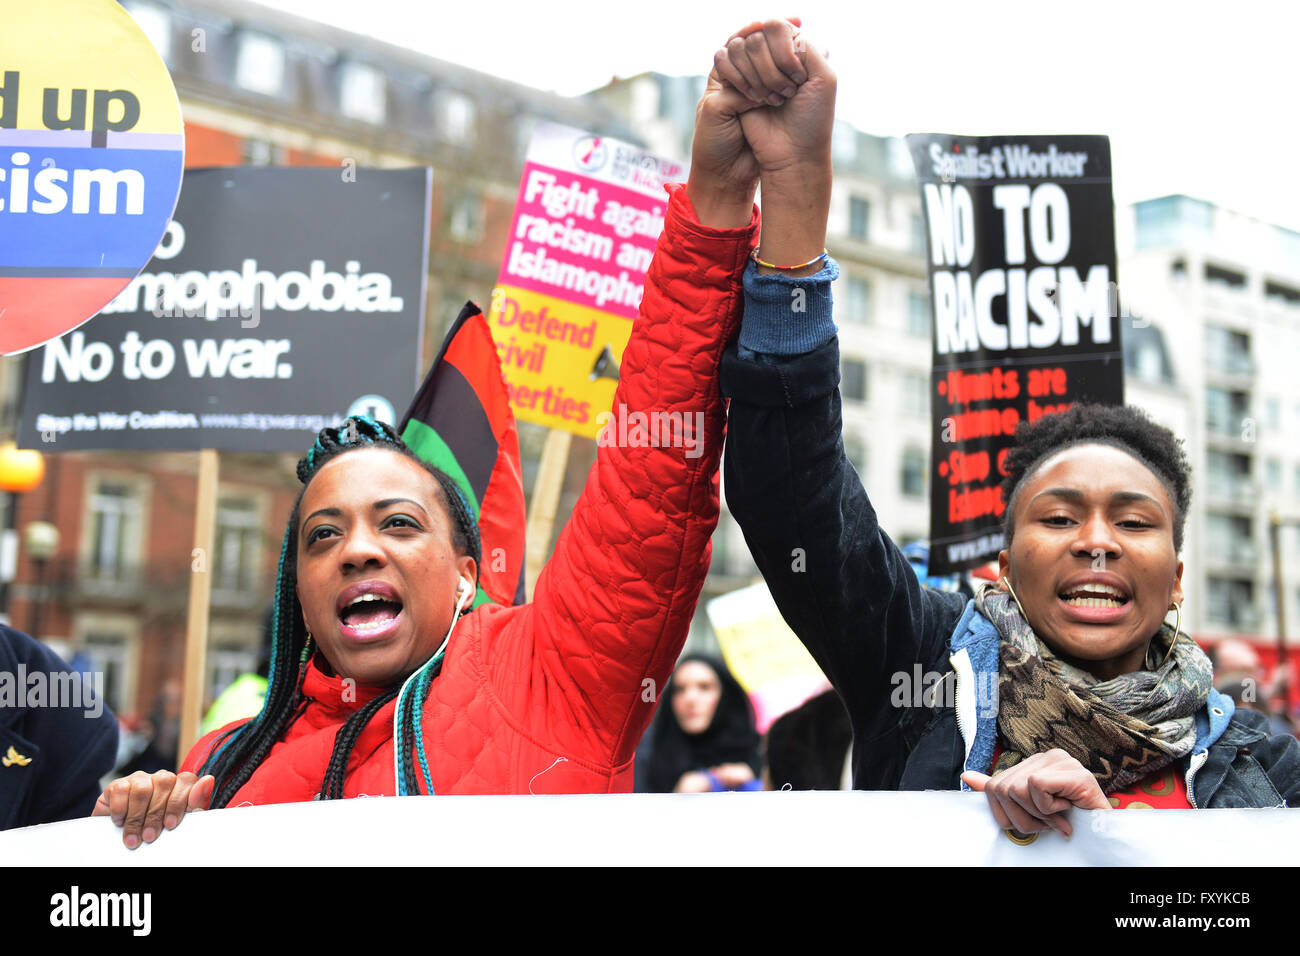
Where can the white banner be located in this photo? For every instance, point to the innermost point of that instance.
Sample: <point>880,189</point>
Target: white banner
<point>736,829</point>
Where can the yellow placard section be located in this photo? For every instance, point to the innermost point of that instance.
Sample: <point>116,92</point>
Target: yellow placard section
<point>76,57</point>
<point>759,647</point>
<point>560,359</point>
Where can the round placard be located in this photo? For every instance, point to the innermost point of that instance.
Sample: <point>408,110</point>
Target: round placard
<point>92,149</point>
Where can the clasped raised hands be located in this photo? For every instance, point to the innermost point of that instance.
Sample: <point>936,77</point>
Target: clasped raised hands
<point>767,112</point>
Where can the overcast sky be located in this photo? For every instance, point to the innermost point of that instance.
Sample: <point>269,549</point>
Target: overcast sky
<point>1197,97</point>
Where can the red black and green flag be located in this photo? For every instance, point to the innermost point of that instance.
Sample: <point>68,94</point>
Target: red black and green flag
<point>460,421</point>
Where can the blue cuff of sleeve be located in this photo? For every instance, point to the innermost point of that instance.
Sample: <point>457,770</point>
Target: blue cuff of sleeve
<point>785,315</point>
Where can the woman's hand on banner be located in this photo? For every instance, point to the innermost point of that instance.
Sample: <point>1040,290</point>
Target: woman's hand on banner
<point>1034,794</point>
<point>143,804</point>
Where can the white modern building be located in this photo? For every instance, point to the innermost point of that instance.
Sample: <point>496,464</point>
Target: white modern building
<point>1216,303</point>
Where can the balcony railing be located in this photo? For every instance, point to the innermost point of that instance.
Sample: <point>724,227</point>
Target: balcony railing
<point>1238,489</point>
<point>1238,618</point>
<point>1232,363</point>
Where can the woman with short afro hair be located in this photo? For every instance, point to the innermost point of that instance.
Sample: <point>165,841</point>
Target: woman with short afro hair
<point>1063,684</point>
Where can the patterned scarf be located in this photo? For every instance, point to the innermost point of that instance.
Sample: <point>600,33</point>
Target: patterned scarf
<point>1121,729</point>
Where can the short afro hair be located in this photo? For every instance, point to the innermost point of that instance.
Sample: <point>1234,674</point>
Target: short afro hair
<point>1120,426</point>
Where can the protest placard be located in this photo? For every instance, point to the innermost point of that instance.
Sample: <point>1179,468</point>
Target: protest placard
<point>279,301</point>
<point>762,652</point>
<point>91,155</point>
<point>1021,257</point>
<point>588,216</point>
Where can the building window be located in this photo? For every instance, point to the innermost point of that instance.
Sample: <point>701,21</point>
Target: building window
<point>1227,351</point>
<point>1145,355</point>
<point>853,380</point>
<point>859,210</point>
<point>1224,278</point>
<point>453,113</point>
<point>465,217</point>
<point>260,65</point>
<point>918,234</point>
<point>1273,415</point>
<point>1231,603</point>
<point>525,126</point>
<point>105,648</point>
<point>1281,294</point>
<point>1226,412</point>
<point>156,22</point>
<point>362,92</point>
<point>844,143</point>
<point>1273,474</point>
<point>899,158</point>
<point>1229,538</point>
<point>1227,475</point>
<point>857,301</point>
<point>236,545</point>
<point>115,530</point>
<point>226,661</point>
<point>916,394</point>
<point>258,152</point>
<point>918,314</point>
<point>913,473</point>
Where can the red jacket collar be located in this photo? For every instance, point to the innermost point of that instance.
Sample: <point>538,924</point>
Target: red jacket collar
<point>337,694</point>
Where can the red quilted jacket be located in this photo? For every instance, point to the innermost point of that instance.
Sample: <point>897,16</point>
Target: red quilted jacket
<point>553,696</point>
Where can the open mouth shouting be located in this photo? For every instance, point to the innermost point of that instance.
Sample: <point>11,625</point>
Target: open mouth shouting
<point>369,611</point>
<point>1095,598</point>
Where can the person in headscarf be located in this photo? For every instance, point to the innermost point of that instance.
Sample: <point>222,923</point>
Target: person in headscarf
<point>703,737</point>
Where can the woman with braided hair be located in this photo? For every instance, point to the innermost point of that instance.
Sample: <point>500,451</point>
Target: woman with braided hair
<point>379,685</point>
<point>1063,685</point>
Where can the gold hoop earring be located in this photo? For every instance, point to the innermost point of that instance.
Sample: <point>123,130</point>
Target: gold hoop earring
<point>1003,580</point>
<point>1178,628</point>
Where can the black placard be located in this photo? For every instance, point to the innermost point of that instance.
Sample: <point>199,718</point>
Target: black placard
<point>279,301</point>
<point>1020,245</point>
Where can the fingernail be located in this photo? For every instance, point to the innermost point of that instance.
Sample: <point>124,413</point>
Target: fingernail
<point>798,77</point>
<point>150,834</point>
<point>775,100</point>
<point>132,841</point>
<point>170,822</point>
<point>788,92</point>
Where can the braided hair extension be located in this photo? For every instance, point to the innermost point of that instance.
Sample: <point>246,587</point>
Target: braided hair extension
<point>242,752</point>
<point>331,787</point>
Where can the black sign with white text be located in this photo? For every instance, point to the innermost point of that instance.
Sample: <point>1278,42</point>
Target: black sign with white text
<point>279,301</point>
<point>1020,247</point>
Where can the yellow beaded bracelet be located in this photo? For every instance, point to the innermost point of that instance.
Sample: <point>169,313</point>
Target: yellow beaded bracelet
<point>802,265</point>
